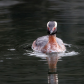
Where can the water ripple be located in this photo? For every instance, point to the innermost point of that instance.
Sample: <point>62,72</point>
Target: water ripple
<point>43,55</point>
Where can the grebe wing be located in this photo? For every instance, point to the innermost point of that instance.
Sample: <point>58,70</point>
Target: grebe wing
<point>41,41</point>
<point>60,43</point>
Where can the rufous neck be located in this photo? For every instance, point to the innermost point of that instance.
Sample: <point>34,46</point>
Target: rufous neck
<point>52,38</point>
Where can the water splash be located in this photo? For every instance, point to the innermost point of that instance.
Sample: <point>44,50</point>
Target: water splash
<point>36,54</point>
<point>43,55</point>
<point>69,45</point>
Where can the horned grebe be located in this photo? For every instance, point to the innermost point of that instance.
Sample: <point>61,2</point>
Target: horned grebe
<point>49,43</point>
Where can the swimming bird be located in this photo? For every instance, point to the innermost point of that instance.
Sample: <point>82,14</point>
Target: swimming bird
<point>49,43</point>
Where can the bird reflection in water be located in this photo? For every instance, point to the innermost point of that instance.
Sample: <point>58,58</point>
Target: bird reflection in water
<point>52,63</point>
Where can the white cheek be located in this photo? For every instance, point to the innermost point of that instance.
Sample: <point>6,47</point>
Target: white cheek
<point>47,24</point>
<point>55,24</point>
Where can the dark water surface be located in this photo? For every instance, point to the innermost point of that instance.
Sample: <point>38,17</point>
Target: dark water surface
<point>21,22</point>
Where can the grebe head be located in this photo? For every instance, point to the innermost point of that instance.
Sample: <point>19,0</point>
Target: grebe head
<point>52,27</point>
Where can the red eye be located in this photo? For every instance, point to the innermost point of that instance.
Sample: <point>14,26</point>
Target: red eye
<point>48,28</point>
<point>54,28</point>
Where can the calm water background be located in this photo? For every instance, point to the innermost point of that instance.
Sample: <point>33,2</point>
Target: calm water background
<point>21,22</point>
